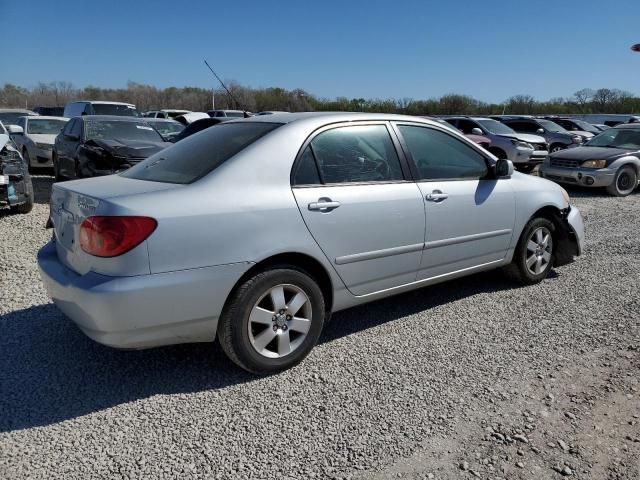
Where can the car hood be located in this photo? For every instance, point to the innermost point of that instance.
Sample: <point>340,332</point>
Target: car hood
<point>43,138</point>
<point>128,148</point>
<point>591,153</point>
<point>525,137</point>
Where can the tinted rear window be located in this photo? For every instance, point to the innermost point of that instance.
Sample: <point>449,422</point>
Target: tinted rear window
<point>196,156</point>
<point>115,109</point>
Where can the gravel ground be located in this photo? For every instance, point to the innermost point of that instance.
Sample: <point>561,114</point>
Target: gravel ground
<point>438,383</point>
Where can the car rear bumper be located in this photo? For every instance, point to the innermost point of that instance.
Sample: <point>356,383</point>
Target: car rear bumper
<point>587,177</point>
<point>141,311</point>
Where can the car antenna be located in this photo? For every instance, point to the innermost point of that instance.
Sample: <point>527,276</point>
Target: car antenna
<point>244,110</point>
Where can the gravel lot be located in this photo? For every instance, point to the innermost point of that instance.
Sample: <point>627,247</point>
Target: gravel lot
<point>469,378</point>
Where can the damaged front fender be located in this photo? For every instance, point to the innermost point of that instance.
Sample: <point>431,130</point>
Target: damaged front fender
<point>16,188</point>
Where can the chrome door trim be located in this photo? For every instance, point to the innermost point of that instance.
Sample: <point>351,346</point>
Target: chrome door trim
<point>386,252</point>
<point>466,238</point>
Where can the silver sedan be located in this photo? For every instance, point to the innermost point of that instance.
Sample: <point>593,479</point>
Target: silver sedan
<point>255,230</point>
<point>37,138</point>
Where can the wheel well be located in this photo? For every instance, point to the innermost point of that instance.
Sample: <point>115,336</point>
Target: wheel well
<point>561,145</point>
<point>498,152</point>
<point>552,214</point>
<point>305,262</point>
<point>567,244</point>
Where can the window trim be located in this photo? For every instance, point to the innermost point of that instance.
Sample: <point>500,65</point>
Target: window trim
<point>404,164</point>
<point>414,168</point>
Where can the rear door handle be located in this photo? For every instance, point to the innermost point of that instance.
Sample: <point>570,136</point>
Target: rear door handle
<point>436,196</point>
<point>323,205</point>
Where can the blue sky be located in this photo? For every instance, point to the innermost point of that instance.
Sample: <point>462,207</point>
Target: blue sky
<point>416,49</point>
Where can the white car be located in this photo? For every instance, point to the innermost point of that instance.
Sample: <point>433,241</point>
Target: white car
<point>37,138</point>
<point>165,113</point>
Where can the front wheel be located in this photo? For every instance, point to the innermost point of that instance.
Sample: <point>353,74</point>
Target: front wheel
<point>272,320</point>
<point>534,254</point>
<point>624,182</point>
<point>556,148</point>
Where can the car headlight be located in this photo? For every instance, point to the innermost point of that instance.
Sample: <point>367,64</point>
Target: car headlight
<point>520,144</point>
<point>44,146</point>
<point>576,139</point>
<point>594,164</point>
<point>565,195</point>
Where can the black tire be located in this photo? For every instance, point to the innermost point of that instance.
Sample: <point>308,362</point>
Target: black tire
<point>556,147</point>
<point>27,159</point>
<point>518,270</point>
<point>498,153</point>
<point>624,182</point>
<point>525,168</point>
<point>27,206</point>
<point>233,326</point>
<point>56,168</point>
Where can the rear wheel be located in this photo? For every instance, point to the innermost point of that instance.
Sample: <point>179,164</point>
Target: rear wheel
<point>534,254</point>
<point>624,182</point>
<point>272,320</point>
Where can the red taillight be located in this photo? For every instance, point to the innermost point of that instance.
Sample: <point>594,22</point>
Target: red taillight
<point>113,236</point>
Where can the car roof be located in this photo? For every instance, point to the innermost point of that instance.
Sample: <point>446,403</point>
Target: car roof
<point>113,117</point>
<point>103,102</point>
<point>46,117</point>
<point>158,120</point>
<point>13,110</point>
<point>317,119</point>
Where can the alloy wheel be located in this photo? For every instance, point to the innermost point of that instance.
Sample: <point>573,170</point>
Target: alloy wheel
<point>279,321</point>
<point>539,250</point>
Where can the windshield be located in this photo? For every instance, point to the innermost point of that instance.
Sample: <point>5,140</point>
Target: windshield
<point>551,126</point>
<point>121,130</point>
<point>165,128</point>
<point>627,139</point>
<point>586,127</point>
<point>196,156</point>
<point>115,109</point>
<point>10,118</point>
<point>45,127</point>
<point>495,127</point>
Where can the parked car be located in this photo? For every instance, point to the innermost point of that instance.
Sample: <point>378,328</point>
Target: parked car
<point>166,127</point>
<point>187,118</point>
<point>226,113</point>
<point>98,145</point>
<point>601,127</point>
<point>609,119</point>
<point>165,113</point>
<point>611,159</point>
<point>255,231</point>
<point>577,126</point>
<point>76,109</point>
<point>9,116</point>
<point>524,150</point>
<point>37,138</point>
<point>50,111</point>
<point>556,137</point>
<point>16,188</point>
<point>484,142</point>
<point>195,127</point>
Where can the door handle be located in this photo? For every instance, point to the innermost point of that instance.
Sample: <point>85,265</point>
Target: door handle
<point>323,205</point>
<point>436,196</point>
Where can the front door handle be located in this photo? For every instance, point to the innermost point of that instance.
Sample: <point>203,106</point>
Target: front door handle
<point>323,205</point>
<point>436,196</point>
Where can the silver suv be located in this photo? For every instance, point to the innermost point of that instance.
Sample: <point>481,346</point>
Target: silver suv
<point>524,150</point>
<point>556,136</point>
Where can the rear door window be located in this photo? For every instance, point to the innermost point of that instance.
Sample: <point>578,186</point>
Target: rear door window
<point>196,156</point>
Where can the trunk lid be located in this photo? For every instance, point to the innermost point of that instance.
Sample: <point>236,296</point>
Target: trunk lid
<point>72,202</point>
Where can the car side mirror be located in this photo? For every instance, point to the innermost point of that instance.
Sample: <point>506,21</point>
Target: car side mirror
<point>540,131</point>
<point>15,130</point>
<point>477,131</point>
<point>504,168</point>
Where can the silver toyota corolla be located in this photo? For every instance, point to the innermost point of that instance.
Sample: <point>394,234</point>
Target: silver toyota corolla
<point>255,230</point>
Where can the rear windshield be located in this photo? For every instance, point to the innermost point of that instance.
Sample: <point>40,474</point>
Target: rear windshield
<point>111,109</point>
<point>199,154</point>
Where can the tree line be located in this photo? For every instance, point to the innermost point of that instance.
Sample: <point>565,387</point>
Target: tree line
<point>148,97</point>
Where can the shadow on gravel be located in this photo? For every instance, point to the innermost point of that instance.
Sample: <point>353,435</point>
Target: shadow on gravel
<point>51,372</point>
